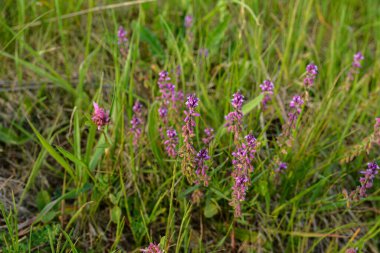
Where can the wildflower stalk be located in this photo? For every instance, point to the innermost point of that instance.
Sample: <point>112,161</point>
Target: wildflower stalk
<point>188,151</point>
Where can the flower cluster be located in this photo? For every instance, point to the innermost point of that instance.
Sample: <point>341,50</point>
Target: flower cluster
<point>281,168</point>
<point>267,88</point>
<point>122,41</point>
<point>356,65</point>
<point>188,150</point>
<point>296,108</point>
<point>100,117</point>
<point>366,181</point>
<point>137,122</point>
<point>171,142</point>
<point>242,169</point>
<point>234,118</point>
<point>352,250</point>
<point>200,160</point>
<point>209,136</point>
<point>169,103</point>
<point>188,21</point>
<point>311,74</point>
<point>152,248</point>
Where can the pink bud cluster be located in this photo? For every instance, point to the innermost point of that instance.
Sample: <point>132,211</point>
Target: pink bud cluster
<point>234,119</point>
<point>242,163</point>
<point>267,88</point>
<point>152,248</point>
<point>170,101</point>
<point>100,116</point>
<point>356,65</point>
<point>311,74</point>
<point>122,41</point>
<point>137,122</point>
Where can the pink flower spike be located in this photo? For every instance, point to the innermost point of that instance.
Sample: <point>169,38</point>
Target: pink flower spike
<point>100,117</point>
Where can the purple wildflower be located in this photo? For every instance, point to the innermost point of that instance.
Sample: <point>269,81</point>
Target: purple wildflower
<point>122,40</point>
<point>296,108</point>
<point>267,88</point>
<point>202,156</point>
<point>352,250</point>
<point>171,142</point>
<point>281,168</point>
<point>170,101</point>
<point>209,136</point>
<point>366,180</point>
<point>188,128</point>
<point>100,117</point>
<point>203,52</point>
<point>311,74</point>
<point>358,57</point>
<point>188,151</point>
<point>243,157</point>
<point>152,248</point>
<point>188,21</point>
<point>136,122</point>
<point>356,65</point>
<point>234,118</point>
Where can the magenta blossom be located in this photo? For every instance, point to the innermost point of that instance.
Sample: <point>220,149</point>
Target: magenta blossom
<point>267,88</point>
<point>366,180</point>
<point>242,163</point>
<point>200,160</point>
<point>137,122</point>
<point>209,136</point>
<point>356,65</point>
<point>234,118</point>
<point>171,142</point>
<point>188,21</point>
<point>152,248</point>
<point>122,40</point>
<point>100,117</point>
<point>281,168</point>
<point>296,108</point>
<point>188,151</point>
<point>311,74</point>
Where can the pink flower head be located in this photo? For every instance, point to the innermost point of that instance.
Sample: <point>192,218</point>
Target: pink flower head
<point>100,117</point>
<point>366,180</point>
<point>356,65</point>
<point>122,36</point>
<point>200,160</point>
<point>237,100</point>
<point>358,57</point>
<point>137,122</point>
<point>242,163</point>
<point>209,136</point>
<point>171,142</point>
<point>311,74</point>
<point>122,41</point>
<point>296,108</point>
<point>152,248</point>
<point>296,102</point>
<point>377,122</point>
<point>267,88</point>
<point>188,21</point>
<point>281,167</point>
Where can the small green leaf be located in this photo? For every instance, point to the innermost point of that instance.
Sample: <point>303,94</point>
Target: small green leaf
<point>210,210</point>
<point>52,151</point>
<point>42,199</point>
<point>250,105</point>
<point>115,214</point>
